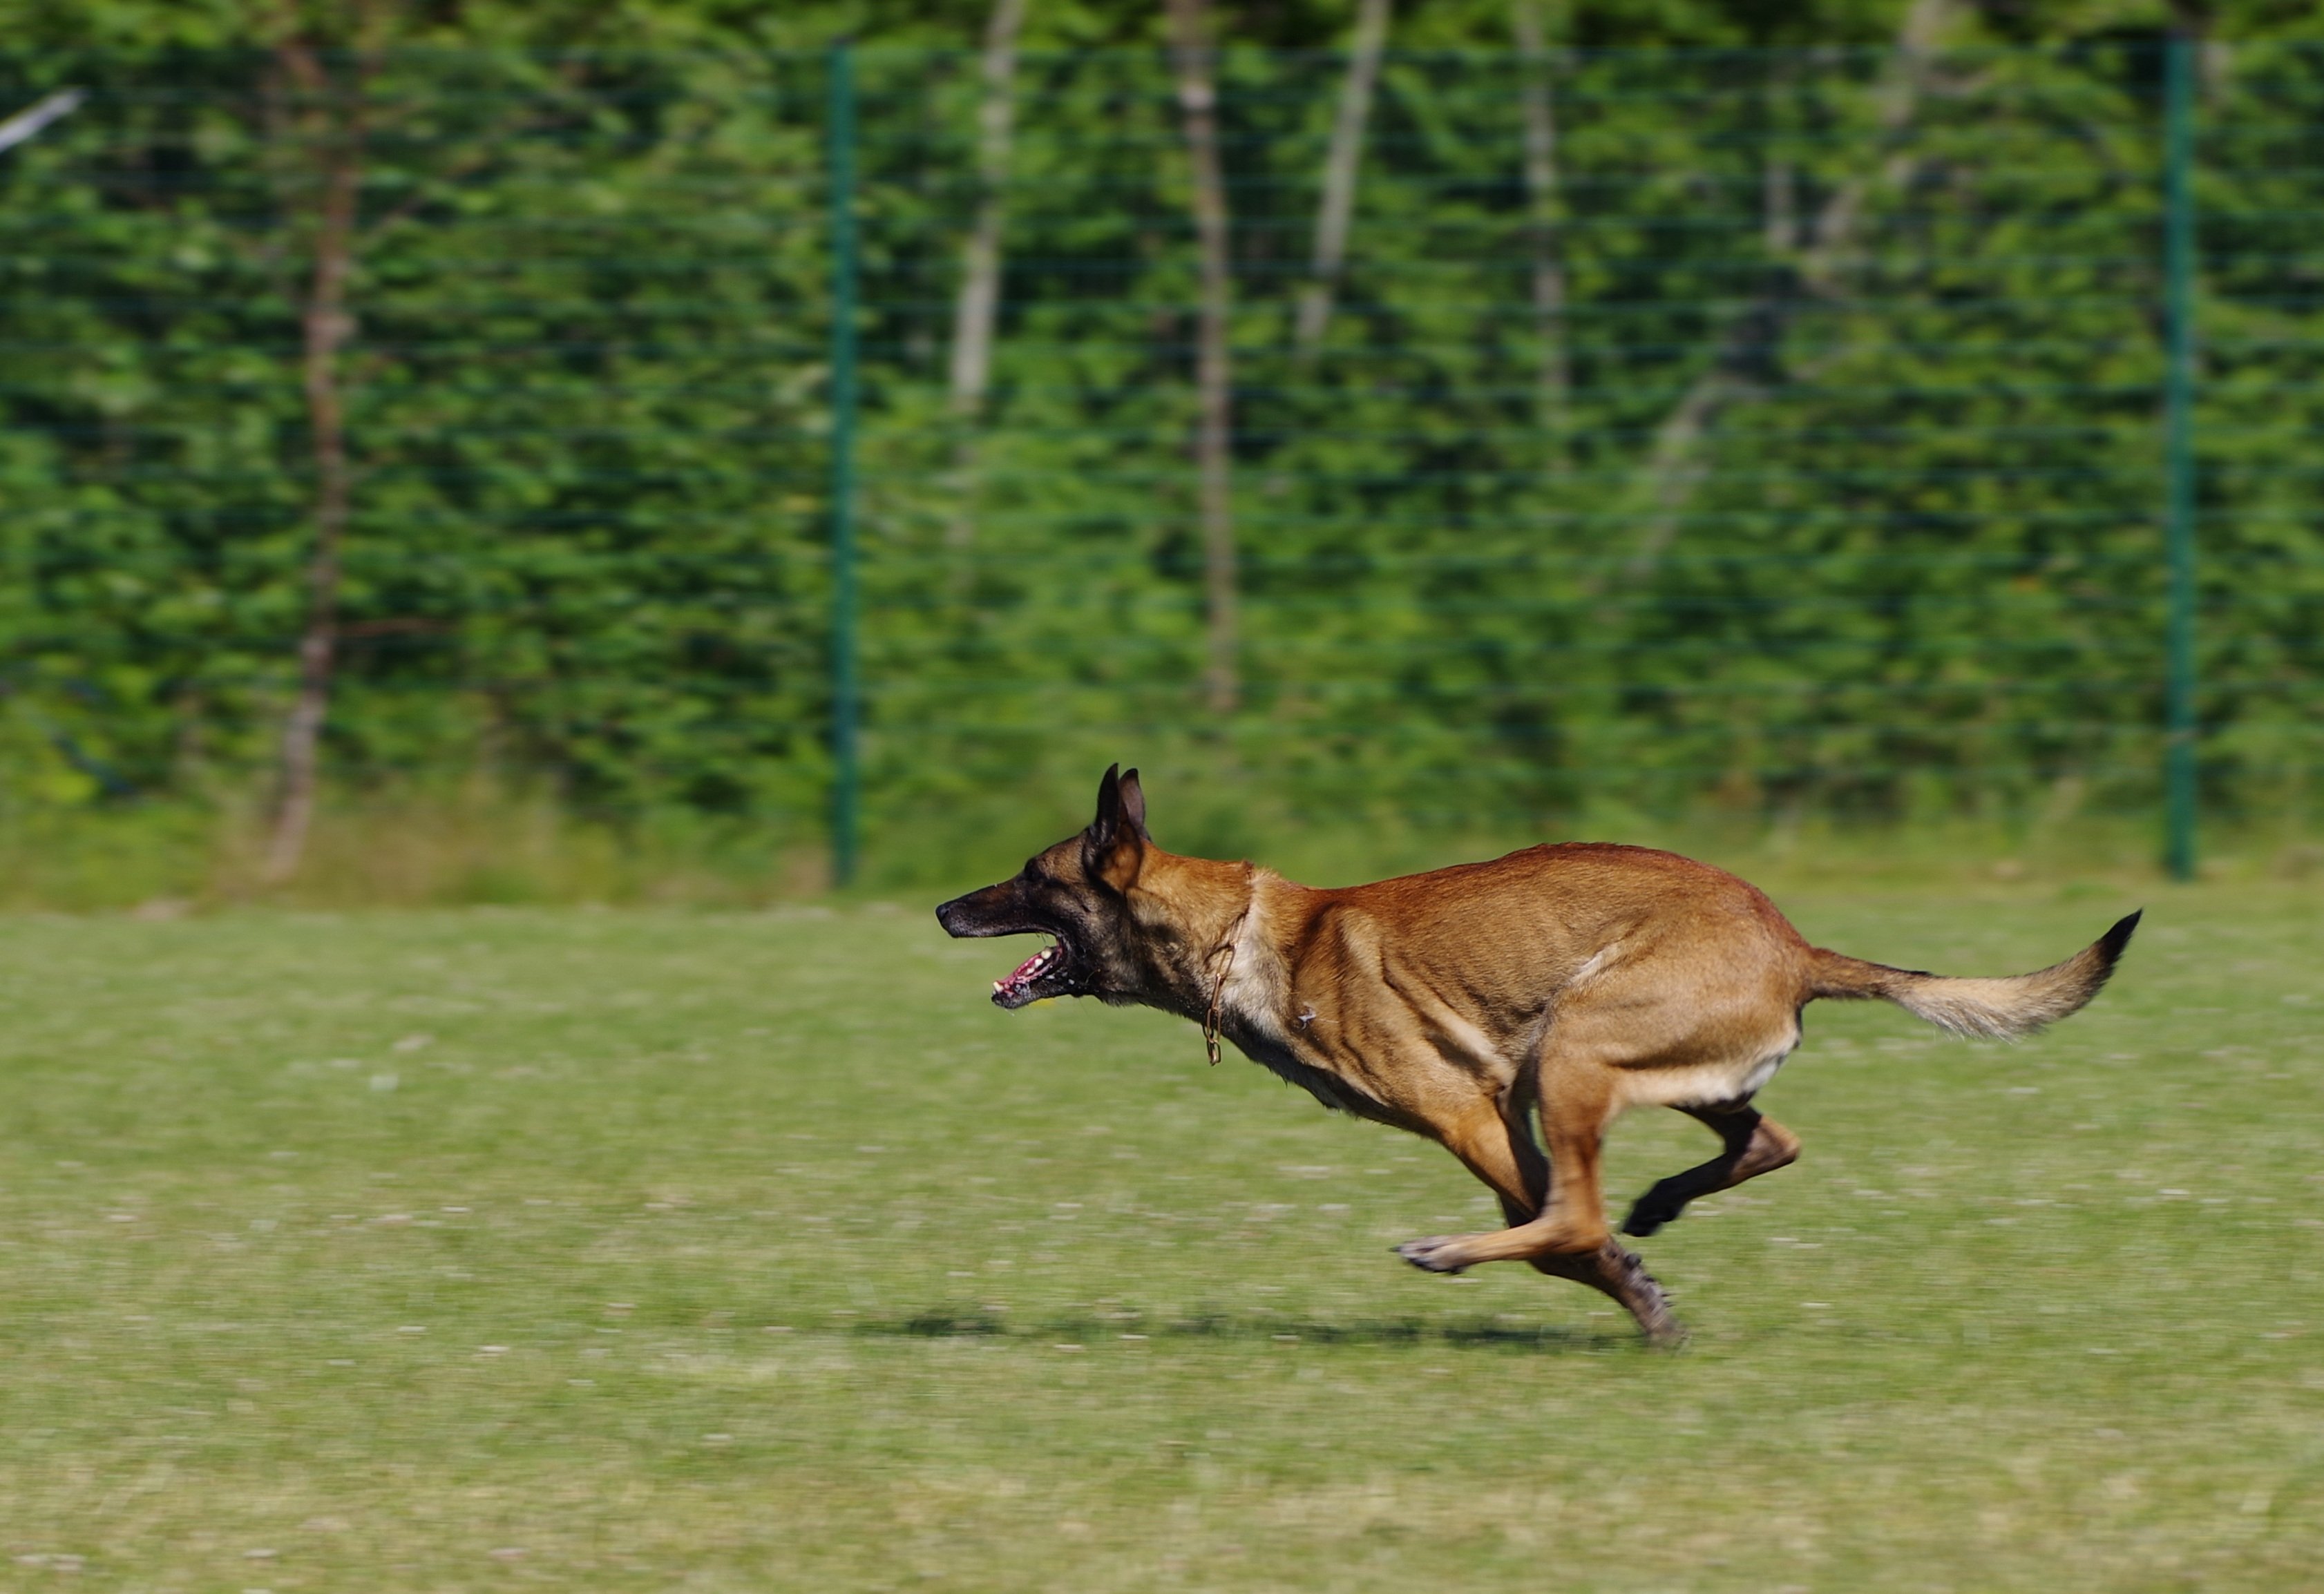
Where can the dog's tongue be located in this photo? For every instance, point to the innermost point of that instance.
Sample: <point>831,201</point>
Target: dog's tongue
<point>1032,969</point>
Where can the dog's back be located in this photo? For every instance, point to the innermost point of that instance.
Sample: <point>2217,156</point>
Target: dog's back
<point>1532,923</point>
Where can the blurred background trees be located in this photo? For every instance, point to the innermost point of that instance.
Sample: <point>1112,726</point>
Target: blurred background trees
<point>399,398</point>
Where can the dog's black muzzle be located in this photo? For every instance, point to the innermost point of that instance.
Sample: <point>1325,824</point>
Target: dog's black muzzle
<point>1000,910</point>
<point>980,914</point>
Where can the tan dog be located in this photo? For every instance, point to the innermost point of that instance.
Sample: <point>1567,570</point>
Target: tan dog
<point>1576,981</point>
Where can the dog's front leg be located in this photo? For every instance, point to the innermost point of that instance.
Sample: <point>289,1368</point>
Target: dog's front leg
<point>1577,1103</point>
<point>1504,1157</point>
<point>1619,1274</point>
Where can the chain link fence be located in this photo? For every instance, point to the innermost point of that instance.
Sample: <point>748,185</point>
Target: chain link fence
<point>1465,445</point>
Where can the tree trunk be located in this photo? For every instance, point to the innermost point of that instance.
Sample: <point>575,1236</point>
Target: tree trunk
<point>1341,161</point>
<point>1779,205</point>
<point>1554,383</point>
<point>1899,96</point>
<point>1191,54</point>
<point>17,128</point>
<point>333,131</point>
<point>980,280</point>
<point>979,304</point>
<point>1669,475</point>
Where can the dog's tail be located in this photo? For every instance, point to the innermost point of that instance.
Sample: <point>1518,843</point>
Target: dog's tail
<point>1993,1010</point>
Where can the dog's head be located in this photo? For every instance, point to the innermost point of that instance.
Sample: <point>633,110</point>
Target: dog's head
<point>1078,891</point>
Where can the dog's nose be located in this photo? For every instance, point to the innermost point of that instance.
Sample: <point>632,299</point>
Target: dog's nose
<point>944,913</point>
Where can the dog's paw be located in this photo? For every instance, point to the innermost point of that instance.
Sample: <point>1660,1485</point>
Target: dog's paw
<point>1635,1288</point>
<point>1432,1255</point>
<point>1652,1211</point>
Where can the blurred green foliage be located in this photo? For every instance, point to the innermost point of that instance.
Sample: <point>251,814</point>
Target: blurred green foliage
<point>1849,507</point>
<point>578,523</point>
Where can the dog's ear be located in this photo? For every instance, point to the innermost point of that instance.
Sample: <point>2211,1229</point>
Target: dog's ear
<point>1109,808</point>
<point>1113,847</point>
<point>1133,805</point>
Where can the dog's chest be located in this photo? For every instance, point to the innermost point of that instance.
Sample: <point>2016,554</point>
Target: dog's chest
<point>1280,1055</point>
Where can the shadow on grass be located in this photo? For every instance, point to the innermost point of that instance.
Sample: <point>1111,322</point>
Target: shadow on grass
<point>975,1323</point>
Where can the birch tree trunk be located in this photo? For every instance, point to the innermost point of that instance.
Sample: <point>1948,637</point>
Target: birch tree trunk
<point>980,279</point>
<point>1670,472</point>
<point>1554,381</point>
<point>979,304</point>
<point>25,124</point>
<point>332,129</point>
<point>1190,55</point>
<point>1781,204</point>
<point>1341,161</point>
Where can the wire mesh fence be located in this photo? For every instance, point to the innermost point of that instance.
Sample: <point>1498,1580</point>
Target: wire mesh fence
<point>1495,444</point>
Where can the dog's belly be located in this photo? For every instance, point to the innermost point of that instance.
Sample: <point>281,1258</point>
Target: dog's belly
<point>1705,1084</point>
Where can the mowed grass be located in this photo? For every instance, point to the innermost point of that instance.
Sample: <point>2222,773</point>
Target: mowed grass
<point>758,1252</point>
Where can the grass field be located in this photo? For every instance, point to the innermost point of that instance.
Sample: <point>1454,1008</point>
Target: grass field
<point>633,1250</point>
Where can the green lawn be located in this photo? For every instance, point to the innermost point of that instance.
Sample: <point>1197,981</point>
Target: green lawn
<point>628,1250</point>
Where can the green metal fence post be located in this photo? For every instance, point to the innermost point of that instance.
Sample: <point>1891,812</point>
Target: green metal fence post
<point>2179,450</point>
<point>845,705</point>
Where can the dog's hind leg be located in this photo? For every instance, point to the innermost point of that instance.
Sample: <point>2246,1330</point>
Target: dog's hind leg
<point>1752,1146</point>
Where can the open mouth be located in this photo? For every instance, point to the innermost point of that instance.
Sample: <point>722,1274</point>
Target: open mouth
<point>1047,972</point>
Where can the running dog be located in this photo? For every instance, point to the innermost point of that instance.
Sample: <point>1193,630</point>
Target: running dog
<point>1573,981</point>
